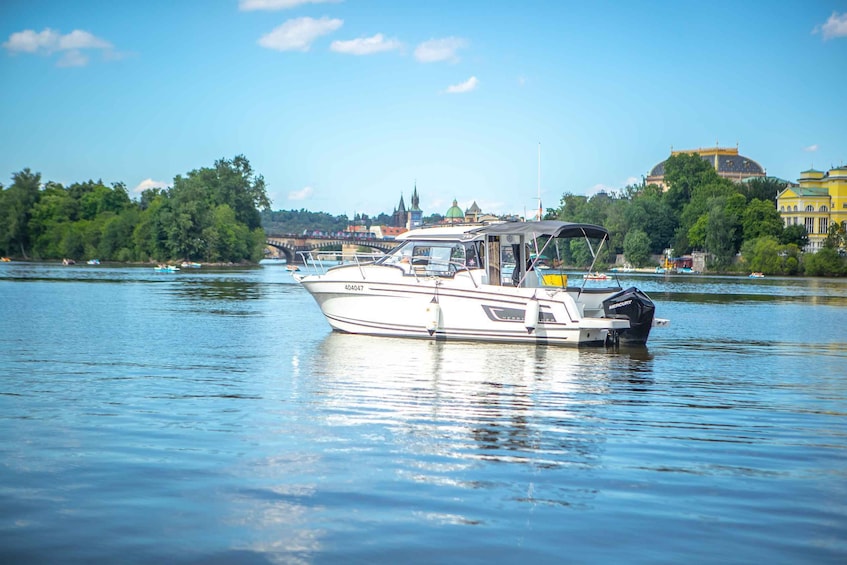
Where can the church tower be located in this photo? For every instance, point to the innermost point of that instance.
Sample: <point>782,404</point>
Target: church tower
<point>400,214</point>
<point>415,213</point>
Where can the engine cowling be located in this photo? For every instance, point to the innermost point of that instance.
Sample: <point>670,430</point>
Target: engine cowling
<point>635,306</point>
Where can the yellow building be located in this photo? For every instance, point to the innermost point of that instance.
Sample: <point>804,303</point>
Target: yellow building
<point>726,161</point>
<point>820,200</point>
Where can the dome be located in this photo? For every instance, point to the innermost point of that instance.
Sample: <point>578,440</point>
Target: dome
<point>454,212</point>
<point>737,164</point>
<point>725,160</point>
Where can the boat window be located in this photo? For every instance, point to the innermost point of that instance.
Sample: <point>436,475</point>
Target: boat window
<point>435,258</point>
<point>472,255</point>
<point>401,254</point>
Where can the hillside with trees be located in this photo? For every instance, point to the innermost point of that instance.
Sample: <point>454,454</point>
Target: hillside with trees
<point>701,211</point>
<point>211,214</point>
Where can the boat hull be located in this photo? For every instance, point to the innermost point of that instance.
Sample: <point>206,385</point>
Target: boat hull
<point>385,301</point>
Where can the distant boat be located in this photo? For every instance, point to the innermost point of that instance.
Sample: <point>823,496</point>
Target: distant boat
<point>292,268</point>
<point>756,275</point>
<point>68,262</point>
<point>190,265</point>
<point>93,261</point>
<point>166,268</point>
<point>597,276</point>
<point>5,260</point>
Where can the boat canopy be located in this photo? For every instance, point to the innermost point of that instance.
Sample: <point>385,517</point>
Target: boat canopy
<point>552,228</point>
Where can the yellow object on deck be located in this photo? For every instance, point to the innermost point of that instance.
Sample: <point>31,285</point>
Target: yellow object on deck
<point>554,279</point>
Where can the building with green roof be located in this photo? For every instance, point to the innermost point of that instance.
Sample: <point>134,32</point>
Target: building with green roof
<point>819,201</point>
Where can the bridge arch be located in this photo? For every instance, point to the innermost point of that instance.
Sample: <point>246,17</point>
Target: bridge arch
<point>291,245</point>
<point>287,250</point>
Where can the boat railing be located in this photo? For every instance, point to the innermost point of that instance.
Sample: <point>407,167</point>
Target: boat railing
<point>322,261</point>
<point>424,267</point>
<point>420,266</point>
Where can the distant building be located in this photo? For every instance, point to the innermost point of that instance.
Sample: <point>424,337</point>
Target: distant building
<point>400,216</point>
<point>387,232</point>
<point>725,160</point>
<point>409,219</point>
<point>820,200</point>
<point>454,214</point>
<point>415,213</point>
<point>473,213</point>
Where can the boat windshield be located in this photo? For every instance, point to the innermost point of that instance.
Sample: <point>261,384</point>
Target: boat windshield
<point>434,257</point>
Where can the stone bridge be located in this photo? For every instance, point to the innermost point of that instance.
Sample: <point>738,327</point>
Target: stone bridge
<point>291,245</point>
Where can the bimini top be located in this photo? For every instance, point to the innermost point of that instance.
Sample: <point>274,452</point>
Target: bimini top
<point>552,228</point>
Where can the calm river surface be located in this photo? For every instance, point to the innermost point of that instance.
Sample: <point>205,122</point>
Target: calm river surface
<point>211,416</point>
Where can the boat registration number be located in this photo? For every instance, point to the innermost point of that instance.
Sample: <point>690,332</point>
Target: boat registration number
<point>354,287</point>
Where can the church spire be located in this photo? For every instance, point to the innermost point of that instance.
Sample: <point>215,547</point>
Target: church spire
<point>415,199</point>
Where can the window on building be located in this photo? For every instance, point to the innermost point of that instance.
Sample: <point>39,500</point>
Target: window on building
<point>824,208</point>
<point>810,225</point>
<point>810,208</point>
<point>795,207</point>
<point>823,225</point>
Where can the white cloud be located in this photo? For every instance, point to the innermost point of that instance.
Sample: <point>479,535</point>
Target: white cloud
<point>148,184</point>
<point>463,87</point>
<point>299,33</point>
<point>835,26</point>
<point>48,42</point>
<point>79,39</point>
<point>436,50</point>
<point>73,58</point>
<point>28,41</point>
<point>366,45</point>
<point>811,148</point>
<point>301,194</point>
<point>273,5</point>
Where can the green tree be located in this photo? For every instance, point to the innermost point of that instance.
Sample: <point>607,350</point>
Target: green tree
<point>795,234</point>
<point>16,211</point>
<point>636,247</point>
<point>650,213</point>
<point>760,218</point>
<point>825,263</point>
<point>762,188</point>
<point>720,233</point>
<point>683,174</point>
<point>702,197</point>
<point>762,254</point>
<point>836,237</point>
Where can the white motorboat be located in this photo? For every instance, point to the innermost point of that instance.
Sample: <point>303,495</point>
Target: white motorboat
<point>447,283</point>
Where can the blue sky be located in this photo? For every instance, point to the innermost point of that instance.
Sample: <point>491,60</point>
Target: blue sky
<point>343,106</point>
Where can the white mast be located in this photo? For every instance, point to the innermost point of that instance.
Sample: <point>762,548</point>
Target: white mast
<point>540,213</point>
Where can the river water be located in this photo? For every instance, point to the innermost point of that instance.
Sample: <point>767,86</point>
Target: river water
<point>211,416</point>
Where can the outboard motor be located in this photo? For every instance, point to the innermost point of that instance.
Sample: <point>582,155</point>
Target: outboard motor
<point>634,305</point>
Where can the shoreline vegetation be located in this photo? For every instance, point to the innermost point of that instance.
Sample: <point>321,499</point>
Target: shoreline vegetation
<point>219,215</point>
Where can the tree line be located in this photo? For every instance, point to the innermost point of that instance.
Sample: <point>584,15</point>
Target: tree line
<point>211,214</point>
<point>736,224</point>
<point>217,214</point>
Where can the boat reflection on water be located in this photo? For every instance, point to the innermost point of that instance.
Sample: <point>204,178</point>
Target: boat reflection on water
<point>472,401</point>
